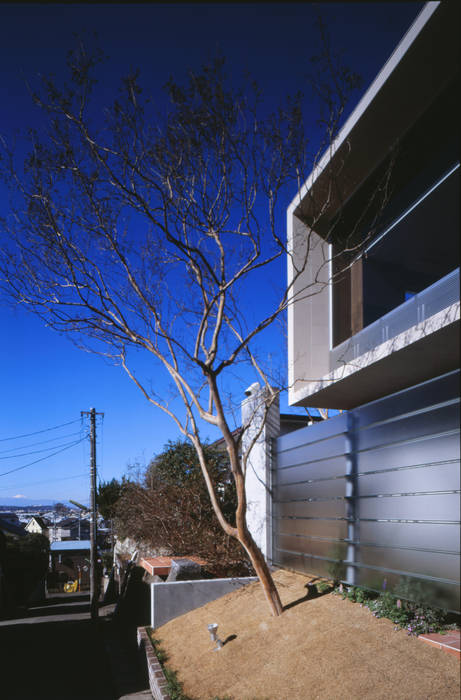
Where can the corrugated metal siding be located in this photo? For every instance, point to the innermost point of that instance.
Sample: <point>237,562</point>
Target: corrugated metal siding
<point>371,497</point>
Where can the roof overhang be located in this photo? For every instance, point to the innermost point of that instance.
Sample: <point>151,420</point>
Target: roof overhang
<point>423,63</point>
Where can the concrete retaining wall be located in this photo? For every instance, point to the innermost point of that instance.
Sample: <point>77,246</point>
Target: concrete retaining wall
<point>169,600</point>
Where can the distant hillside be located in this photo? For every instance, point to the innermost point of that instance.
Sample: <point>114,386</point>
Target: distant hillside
<point>21,502</point>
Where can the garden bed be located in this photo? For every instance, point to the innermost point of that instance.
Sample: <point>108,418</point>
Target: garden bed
<point>321,647</point>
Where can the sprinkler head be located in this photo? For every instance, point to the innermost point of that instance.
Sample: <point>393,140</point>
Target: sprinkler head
<point>213,630</point>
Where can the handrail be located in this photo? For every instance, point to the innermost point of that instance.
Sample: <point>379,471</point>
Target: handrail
<point>435,298</point>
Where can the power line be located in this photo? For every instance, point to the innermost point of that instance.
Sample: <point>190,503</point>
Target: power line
<point>41,442</point>
<point>44,481</point>
<point>45,430</point>
<point>77,442</point>
<point>34,452</point>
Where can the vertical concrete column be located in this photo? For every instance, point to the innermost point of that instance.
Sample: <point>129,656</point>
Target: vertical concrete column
<point>258,483</point>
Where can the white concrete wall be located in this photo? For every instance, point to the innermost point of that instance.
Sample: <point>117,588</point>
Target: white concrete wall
<point>170,600</point>
<point>309,308</point>
<point>258,470</point>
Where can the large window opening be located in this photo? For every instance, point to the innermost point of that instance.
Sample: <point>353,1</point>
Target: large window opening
<point>409,241</point>
<point>419,250</point>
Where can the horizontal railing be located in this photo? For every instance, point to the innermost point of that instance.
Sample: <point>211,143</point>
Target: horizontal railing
<point>419,308</point>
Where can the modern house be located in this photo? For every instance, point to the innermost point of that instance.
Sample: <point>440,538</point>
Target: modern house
<point>377,308</point>
<point>370,497</point>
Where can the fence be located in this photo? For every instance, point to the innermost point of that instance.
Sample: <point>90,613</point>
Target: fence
<point>371,497</point>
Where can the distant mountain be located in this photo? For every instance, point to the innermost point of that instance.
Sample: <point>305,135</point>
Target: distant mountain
<point>4,501</point>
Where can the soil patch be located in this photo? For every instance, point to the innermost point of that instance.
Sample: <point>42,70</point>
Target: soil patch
<point>321,648</point>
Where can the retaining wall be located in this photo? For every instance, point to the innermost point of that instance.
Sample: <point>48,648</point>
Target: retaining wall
<point>169,600</point>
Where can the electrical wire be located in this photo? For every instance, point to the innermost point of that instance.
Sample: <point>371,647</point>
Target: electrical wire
<point>45,430</point>
<point>40,442</point>
<point>43,481</point>
<point>34,452</point>
<point>17,469</point>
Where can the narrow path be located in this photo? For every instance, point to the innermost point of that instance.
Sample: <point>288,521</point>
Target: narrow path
<point>55,652</point>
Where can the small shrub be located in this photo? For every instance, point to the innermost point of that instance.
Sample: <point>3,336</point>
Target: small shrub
<point>415,618</point>
<point>323,586</point>
<point>354,594</point>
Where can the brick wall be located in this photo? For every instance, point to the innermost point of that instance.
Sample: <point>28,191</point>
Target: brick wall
<point>157,680</point>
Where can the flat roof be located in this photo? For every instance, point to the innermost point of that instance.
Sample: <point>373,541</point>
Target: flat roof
<point>70,545</point>
<point>424,60</point>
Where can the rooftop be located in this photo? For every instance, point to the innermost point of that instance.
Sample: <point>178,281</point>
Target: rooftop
<point>70,545</point>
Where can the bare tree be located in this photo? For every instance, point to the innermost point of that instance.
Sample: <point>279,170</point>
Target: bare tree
<point>171,490</point>
<point>144,232</point>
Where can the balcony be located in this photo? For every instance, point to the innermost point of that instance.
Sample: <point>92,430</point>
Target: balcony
<point>415,311</point>
<point>415,342</point>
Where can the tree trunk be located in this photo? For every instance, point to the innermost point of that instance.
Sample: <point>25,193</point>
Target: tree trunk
<point>262,571</point>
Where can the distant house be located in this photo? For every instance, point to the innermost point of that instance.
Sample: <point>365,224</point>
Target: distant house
<point>69,529</point>
<point>38,526</point>
<point>57,534</point>
<point>79,528</point>
<point>70,561</point>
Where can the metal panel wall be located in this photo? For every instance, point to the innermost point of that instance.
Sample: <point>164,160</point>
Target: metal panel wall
<point>371,497</point>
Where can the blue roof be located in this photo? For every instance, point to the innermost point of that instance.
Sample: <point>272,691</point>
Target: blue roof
<point>70,545</point>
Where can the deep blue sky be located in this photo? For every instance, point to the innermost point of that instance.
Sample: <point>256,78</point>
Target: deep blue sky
<point>46,381</point>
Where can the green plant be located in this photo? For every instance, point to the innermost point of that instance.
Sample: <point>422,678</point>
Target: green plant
<point>415,618</point>
<point>172,490</point>
<point>336,568</point>
<point>354,594</point>
<point>324,586</point>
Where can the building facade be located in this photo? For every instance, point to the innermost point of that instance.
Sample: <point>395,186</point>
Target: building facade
<point>376,308</point>
<point>370,497</point>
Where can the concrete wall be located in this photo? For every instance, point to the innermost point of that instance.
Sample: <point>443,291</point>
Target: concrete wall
<point>257,419</point>
<point>170,600</point>
<point>309,308</point>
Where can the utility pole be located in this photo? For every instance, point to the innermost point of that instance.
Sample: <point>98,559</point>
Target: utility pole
<point>94,577</point>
